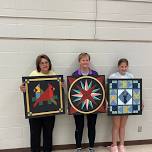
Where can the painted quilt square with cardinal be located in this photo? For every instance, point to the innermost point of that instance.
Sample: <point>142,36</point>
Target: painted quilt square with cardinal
<point>43,96</point>
<point>124,96</point>
<point>86,94</point>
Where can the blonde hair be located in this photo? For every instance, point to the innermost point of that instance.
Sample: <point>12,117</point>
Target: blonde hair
<point>83,54</point>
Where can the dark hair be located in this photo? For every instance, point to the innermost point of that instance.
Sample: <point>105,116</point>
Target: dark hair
<point>84,54</point>
<point>123,60</point>
<point>38,60</point>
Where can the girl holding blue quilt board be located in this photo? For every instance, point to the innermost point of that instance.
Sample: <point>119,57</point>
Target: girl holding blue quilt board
<point>119,122</point>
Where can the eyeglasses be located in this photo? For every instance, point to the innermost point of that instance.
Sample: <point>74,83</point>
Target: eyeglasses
<point>43,63</point>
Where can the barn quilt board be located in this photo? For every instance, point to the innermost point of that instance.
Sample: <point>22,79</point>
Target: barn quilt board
<point>86,94</point>
<point>43,96</point>
<point>124,96</point>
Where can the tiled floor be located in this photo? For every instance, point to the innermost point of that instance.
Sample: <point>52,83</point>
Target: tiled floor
<point>138,148</point>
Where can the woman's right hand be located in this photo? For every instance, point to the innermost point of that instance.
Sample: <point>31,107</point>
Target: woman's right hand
<point>22,87</point>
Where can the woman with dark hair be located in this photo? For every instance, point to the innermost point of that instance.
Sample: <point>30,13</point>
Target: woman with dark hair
<point>43,68</point>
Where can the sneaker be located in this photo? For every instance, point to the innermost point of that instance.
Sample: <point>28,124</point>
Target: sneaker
<point>121,148</point>
<point>78,150</point>
<point>91,150</point>
<point>113,148</point>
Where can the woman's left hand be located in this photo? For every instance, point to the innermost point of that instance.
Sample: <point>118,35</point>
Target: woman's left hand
<point>63,84</point>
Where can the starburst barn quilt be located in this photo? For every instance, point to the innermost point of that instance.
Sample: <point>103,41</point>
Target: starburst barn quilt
<point>86,94</point>
<point>124,96</point>
<point>43,96</point>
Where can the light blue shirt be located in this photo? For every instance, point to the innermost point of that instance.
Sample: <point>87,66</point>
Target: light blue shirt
<point>117,75</point>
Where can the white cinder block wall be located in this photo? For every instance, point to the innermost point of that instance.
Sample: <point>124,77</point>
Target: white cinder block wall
<point>107,29</point>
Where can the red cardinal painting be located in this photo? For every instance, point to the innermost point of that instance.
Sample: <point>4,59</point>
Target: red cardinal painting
<point>46,95</point>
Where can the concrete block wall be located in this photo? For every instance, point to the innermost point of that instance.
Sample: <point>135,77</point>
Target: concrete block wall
<point>107,29</point>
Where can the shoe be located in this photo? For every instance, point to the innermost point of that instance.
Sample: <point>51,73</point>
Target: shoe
<point>78,150</point>
<point>113,148</point>
<point>91,150</point>
<point>121,148</point>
